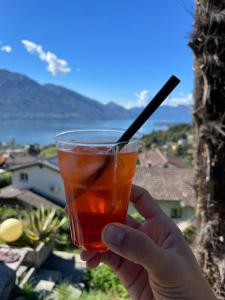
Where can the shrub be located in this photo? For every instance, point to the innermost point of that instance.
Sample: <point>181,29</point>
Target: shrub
<point>5,179</point>
<point>105,280</point>
<point>7,212</point>
<point>190,234</point>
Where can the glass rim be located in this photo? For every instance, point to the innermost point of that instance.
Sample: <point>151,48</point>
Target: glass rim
<point>134,139</point>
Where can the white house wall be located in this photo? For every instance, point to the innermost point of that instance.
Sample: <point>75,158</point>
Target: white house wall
<point>42,179</point>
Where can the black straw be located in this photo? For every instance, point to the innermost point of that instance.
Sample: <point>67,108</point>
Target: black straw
<point>133,128</point>
<point>164,92</point>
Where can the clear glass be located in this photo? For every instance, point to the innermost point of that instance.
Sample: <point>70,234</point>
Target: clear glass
<point>97,173</point>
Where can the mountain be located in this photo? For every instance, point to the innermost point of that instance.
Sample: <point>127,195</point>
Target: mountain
<point>22,97</point>
<point>178,114</point>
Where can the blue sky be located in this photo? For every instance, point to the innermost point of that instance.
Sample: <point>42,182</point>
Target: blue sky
<point>109,50</point>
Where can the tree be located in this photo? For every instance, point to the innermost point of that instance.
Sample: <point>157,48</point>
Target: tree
<point>208,44</point>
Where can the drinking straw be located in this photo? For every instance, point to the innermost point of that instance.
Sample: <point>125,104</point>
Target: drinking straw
<point>163,93</point>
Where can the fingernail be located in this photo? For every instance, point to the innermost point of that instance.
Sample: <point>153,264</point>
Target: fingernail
<point>113,235</point>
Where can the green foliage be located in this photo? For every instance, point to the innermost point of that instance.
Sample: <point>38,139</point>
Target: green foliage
<point>161,137</point>
<point>28,291</point>
<point>98,295</point>
<point>43,224</point>
<point>105,280</point>
<point>62,292</point>
<point>190,234</point>
<point>48,151</point>
<point>138,217</point>
<point>7,212</point>
<point>5,179</point>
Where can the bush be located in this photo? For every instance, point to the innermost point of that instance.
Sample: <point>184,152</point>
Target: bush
<point>7,212</point>
<point>105,280</point>
<point>5,179</point>
<point>190,234</point>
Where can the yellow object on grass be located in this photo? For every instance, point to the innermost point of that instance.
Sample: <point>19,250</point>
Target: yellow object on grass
<point>11,230</point>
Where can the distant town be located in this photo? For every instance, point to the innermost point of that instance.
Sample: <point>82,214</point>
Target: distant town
<point>31,186</point>
<point>30,173</point>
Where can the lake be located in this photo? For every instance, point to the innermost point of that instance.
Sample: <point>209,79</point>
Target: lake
<point>43,132</point>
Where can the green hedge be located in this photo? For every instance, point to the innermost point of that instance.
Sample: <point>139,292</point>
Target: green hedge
<point>5,179</point>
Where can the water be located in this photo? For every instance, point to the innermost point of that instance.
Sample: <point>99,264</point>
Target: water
<point>43,132</point>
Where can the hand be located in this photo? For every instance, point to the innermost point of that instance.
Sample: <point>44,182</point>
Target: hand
<point>152,259</point>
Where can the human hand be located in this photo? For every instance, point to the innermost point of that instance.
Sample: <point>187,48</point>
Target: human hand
<point>152,260</point>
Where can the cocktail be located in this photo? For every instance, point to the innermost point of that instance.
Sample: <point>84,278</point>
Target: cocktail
<point>97,173</point>
<point>97,167</point>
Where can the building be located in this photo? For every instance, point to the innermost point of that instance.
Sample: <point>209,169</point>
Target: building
<point>41,177</point>
<point>156,158</point>
<point>172,188</point>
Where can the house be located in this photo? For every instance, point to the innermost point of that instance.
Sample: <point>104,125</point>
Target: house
<point>12,196</point>
<point>172,188</point>
<point>156,158</point>
<point>17,157</point>
<point>41,177</point>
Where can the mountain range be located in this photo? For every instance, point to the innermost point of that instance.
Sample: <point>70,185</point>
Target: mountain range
<point>22,97</point>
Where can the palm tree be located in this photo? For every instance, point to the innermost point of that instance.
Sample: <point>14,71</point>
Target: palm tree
<point>208,44</point>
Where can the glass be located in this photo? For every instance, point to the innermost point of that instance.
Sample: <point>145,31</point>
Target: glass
<point>97,173</point>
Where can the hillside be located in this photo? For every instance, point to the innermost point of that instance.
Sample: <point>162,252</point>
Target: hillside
<point>24,98</point>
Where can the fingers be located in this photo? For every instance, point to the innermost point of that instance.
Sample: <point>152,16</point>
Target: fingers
<point>92,259</point>
<point>130,221</point>
<point>144,203</point>
<point>133,245</point>
<point>94,262</point>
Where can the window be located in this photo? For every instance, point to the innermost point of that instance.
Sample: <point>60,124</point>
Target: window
<point>55,189</point>
<point>175,213</point>
<point>24,177</point>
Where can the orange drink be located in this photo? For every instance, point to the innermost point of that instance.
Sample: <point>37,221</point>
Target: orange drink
<point>97,179</point>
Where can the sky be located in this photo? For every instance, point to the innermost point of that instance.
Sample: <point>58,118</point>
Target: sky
<point>109,50</point>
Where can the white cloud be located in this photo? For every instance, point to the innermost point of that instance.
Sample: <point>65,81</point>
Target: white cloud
<point>55,66</point>
<point>6,48</point>
<point>143,98</point>
<point>141,101</point>
<point>182,100</point>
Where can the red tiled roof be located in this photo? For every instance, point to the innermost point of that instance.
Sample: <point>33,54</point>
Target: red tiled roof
<point>168,183</point>
<point>2,159</point>
<point>152,158</point>
<point>155,158</point>
<point>176,162</point>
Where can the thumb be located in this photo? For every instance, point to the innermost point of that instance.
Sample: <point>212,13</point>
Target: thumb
<point>133,245</point>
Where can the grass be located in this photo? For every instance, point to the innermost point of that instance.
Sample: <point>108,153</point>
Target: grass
<point>63,292</point>
<point>98,295</point>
